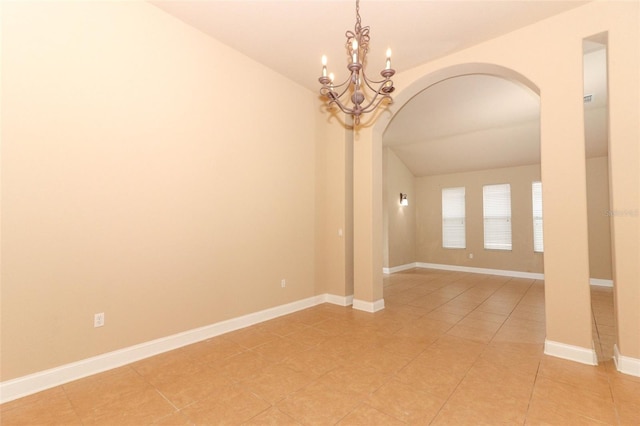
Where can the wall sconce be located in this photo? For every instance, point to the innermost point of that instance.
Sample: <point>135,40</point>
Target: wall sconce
<point>403,199</point>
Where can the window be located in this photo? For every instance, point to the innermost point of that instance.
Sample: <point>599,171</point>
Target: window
<point>453,218</point>
<point>497,216</point>
<point>536,195</point>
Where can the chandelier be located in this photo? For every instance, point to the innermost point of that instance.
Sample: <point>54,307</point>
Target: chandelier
<point>366,94</point>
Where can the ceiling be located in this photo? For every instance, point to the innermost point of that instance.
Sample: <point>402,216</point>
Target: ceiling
<point>474,115</point>
<point>479,122</point>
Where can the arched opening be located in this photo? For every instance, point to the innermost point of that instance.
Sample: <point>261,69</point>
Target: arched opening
<point>462,134</point>
<point>568,330</point>
<point>476,128</point>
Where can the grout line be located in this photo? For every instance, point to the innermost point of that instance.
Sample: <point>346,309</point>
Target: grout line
<point>533,388</point>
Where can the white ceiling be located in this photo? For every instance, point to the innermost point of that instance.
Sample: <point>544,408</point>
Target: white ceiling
<point>476,115</point>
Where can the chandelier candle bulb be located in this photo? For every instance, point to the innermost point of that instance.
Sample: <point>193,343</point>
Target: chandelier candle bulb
<point>388,59</point>
<point>354,48</point>
<point>324,65</point>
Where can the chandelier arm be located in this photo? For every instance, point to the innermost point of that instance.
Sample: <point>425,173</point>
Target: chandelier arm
<point>325,90</point>
<point>342,107</point>
<point>373,104</point>
<point>380,84</point>
<point>370,108</point>
<point>370,83</point>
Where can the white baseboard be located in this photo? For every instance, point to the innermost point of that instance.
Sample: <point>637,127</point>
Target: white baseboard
<point>501,272</point>
<point>625,364</point>
<point>42,380</point>
<point>474,270</point>
<point>571,352</point>
<point>600,282</point>
<point>399,268</point>
<point>339,300</point>
<point>363,305</point>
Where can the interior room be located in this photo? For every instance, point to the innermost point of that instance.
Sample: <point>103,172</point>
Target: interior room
<point>190,235</point>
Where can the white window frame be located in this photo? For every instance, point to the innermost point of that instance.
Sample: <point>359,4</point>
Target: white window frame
<point>538,223</point>
<point>496,208</point>
<point>453,218</point>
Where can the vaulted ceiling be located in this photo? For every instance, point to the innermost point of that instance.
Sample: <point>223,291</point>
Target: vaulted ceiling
<point>456,125</point>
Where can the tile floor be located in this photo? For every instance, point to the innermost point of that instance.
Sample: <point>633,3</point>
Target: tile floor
<point>449,349</point>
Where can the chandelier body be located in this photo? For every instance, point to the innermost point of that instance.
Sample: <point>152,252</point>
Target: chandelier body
<point>365,94</point>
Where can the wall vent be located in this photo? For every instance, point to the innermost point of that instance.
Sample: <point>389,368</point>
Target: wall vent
<point>587,98</point>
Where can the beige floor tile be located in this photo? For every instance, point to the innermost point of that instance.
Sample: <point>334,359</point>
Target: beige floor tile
<point>542,412</point>
<point>233,407</point>
<point>628,413</point>
<point>272,417</point>
<point>483,335</point>
<point>455,310</point>
<point>446,317</point>
<point>311,362</point>
<point>56,393</point>
<point>97,396</point>
<point>593,378</point>
<point>366,415</point>
<point>173,419</point>
<point>574,399</point>
<point>383,361</point>
<point>479,406</point>
<point>428,377</point>
<point>407,347</point>
<point>118,381</point>
<point>513,357</point>
<point>276,382</point>
<point>131,409</point>
<point>308,316</point>
<point>625,387</point>
<point>334,327</point>
<point>183,389</point>
<point>282,326</point>
<point>213,350</point>
<point>519,335</point>
<point>242,366</point>
<point>279,349</point>
<point>487,316</point>
<point>320,404</point>
<point>250,337</point>
<point>524,324</point>
<point>406,403</point>
<point>310,336</point>
<point>50,407</point>
<point>340,347</point>
<point>361,379</point>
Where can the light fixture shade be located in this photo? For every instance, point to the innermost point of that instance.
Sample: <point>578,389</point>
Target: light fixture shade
<point>403,199</point>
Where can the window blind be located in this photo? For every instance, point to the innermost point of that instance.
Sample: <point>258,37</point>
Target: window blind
<point>453,218</point>
<point>536,195</point>
<point>497,216</point>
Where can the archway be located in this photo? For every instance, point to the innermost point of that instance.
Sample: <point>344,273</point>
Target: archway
<point>568,327</point>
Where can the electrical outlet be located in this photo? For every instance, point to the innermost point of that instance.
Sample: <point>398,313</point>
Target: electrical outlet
<point>283,283</point>
<point>98,319</point>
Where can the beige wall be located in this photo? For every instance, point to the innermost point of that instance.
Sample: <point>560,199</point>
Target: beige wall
<point>400,220</point>
<point>429,228</point>
<point>599,215</point>
<point>148,172</point>
<point>521,258</point>
<point>334,210</point>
